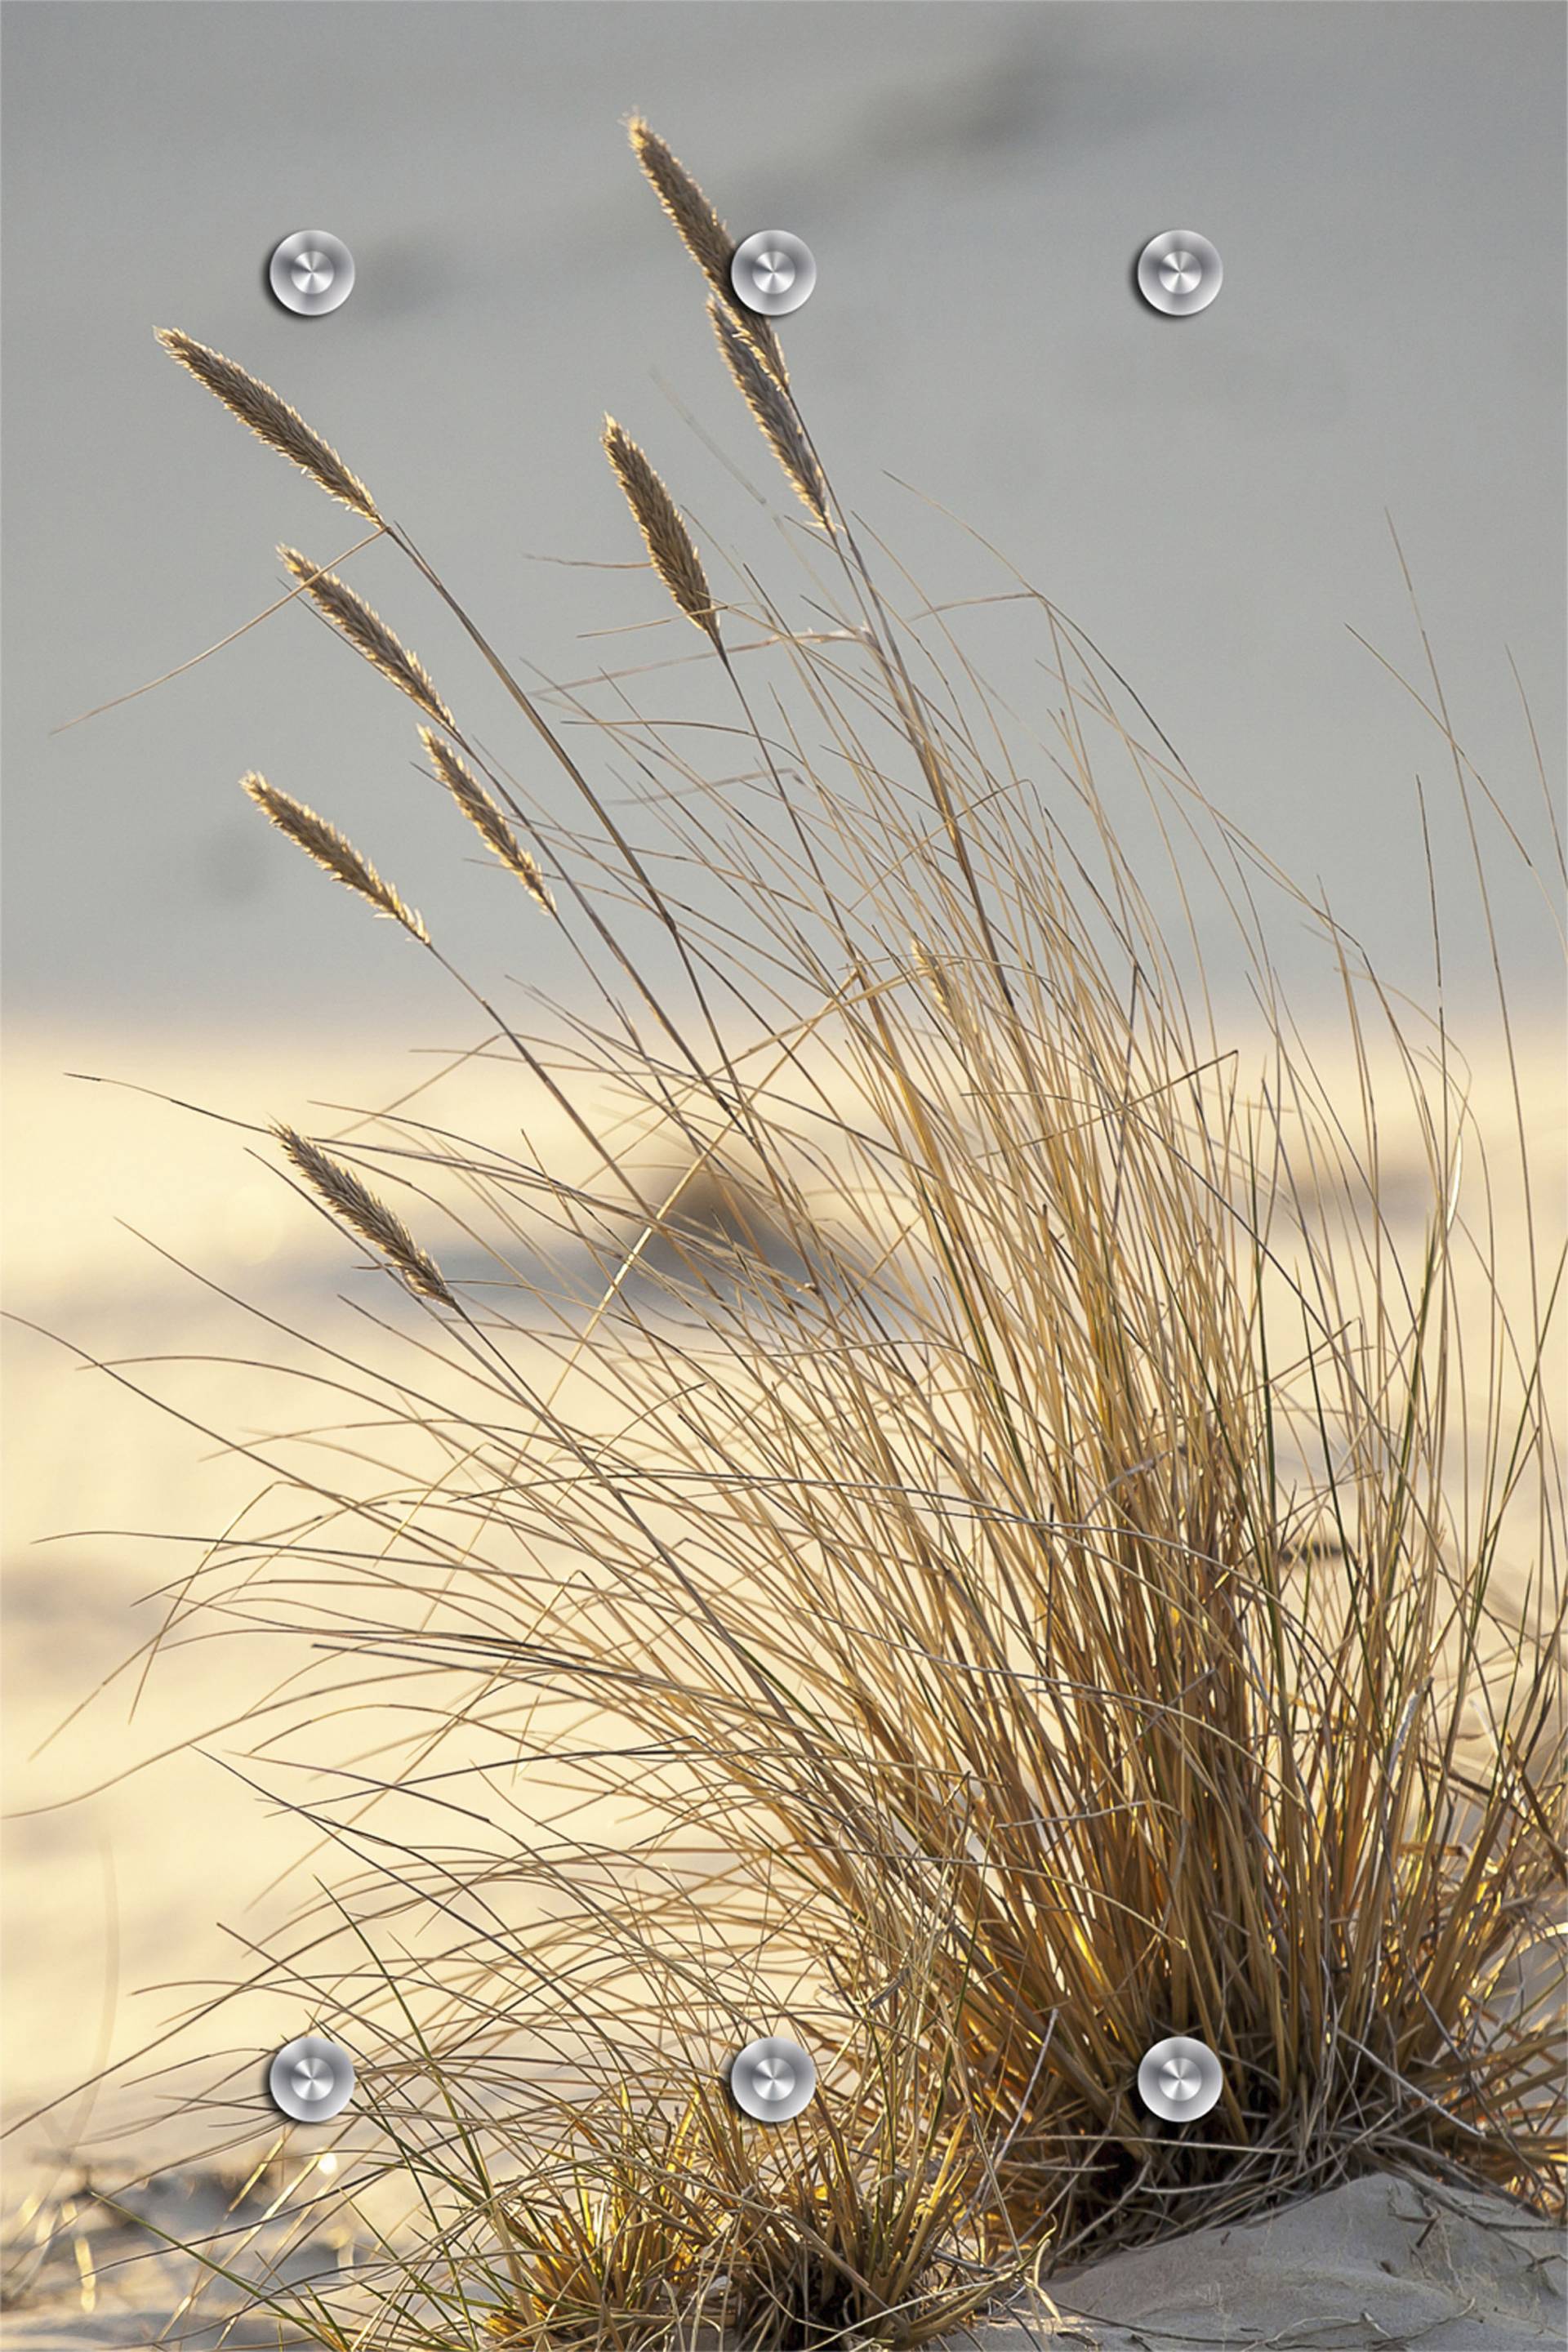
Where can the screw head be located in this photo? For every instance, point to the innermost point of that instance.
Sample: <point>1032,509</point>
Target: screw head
<point>1179,272</point>
<point>773,272</point>
<point>772,2080</point>
<point>1180,2080</point>
<point>311,272</point>
<point>312,2080</point>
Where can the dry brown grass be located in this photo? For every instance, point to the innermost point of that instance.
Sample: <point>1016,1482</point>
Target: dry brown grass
<point>836,2229</point>
<point>1076,1566</point>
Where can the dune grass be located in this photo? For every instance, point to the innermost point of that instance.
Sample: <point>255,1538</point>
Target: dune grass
<point>1036,1550</point>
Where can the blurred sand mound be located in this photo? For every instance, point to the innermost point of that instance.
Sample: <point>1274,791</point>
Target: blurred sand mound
<point>1379,2262</point>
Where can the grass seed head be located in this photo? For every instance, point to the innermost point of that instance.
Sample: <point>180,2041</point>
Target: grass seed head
<point>331,850</point>
<point>366,632</point>
<point>271,419</point>
<point>704,236</point>
<point>773,409</point>
<point>371,1219</point>
<point>671,548</point>
<point>485,817</point>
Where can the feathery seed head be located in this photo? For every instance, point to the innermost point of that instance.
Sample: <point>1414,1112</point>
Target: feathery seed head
<point>486,818</point>
<point>773,409</point>
<point>671,546</point>
<point>703,234</point>
<point>371,1219</point>
<point>366,632</point>
<point>271,419</point>
<point>324,844</point>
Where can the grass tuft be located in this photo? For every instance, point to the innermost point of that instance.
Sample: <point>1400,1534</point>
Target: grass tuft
<point>1089,1567</point>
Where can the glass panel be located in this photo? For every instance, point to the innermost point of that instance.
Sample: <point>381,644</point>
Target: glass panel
<point>784,1526</point>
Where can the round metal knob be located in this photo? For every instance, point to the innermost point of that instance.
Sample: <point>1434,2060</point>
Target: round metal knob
<point>772,2080</point>
<point>1179,2079</point>
<point>1179,272</point>
<point>311,272</point>
<point>773,272</point>
<point>312,2080</point>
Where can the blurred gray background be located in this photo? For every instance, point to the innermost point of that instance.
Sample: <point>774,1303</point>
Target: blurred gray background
<point>1208,497</point>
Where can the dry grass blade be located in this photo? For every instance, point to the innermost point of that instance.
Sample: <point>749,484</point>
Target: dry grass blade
<point>671,550</point>
<point>328,846</point>
<point>485,817</point>
<point>358,1207</point>
<point>773,409</point>
<point>366,632</point>
<point>703,234</point>
<point>271,419</point>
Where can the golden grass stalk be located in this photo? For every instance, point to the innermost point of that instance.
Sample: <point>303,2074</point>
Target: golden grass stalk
<point>671,548</point>
<point>366,632</point>
<point>485,817</point>
<point>773,409</point>
<point>271,419</point>
<point>330,849</point>
<point>704,236</point>
<point>358,1207</point>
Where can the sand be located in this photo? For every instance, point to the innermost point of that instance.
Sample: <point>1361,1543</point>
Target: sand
<point>1379,2262</point>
